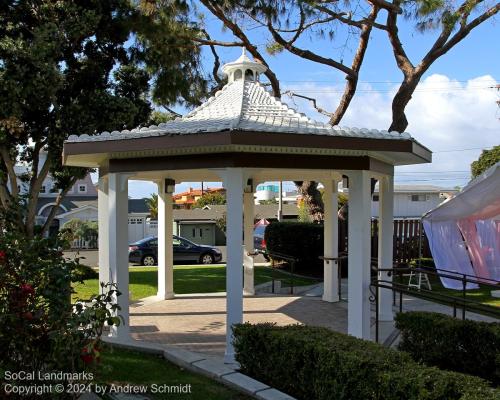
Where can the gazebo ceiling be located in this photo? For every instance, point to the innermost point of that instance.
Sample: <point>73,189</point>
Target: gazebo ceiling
<point>242,119</point>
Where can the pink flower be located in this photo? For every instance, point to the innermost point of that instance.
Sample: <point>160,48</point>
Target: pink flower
<point>27,289</point>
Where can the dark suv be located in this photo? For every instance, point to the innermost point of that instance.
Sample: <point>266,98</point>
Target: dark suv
<point>145,252</point>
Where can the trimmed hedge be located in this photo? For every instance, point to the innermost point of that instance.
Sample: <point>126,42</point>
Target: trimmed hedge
<point>302,240</point>
<point>316,363</point>
<point>83,272</point>
<point>466,346</point>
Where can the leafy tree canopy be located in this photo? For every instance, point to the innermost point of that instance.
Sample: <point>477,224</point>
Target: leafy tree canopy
<point>152,203</point>
<point>82,67</point>
<point>214,198</point>
<point>487,159</point>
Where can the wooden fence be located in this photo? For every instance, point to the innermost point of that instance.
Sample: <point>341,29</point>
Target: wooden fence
<point>88,243</point>
<point>406,240</point>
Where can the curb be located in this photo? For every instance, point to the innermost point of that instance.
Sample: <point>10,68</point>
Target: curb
<point>210,367</point>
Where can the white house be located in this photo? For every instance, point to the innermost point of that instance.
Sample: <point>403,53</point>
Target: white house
<point>413,201</point>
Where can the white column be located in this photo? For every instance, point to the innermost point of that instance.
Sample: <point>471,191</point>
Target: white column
<point>118,248</point>
<point>233,182</point>
<point>358,310</point>
<point>248,268</point>
<point>102,216</point>
<point>331,242</point>
<point>165,246</point>
<point>385,244</point>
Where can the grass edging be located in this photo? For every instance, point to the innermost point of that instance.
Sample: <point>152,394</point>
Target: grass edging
<point>215,370</point>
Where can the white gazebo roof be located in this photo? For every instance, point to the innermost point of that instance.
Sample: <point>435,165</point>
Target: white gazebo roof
<point>246,124</point>
<point>242,105</point>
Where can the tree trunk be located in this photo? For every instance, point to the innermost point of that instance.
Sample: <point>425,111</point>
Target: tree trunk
<point>345,101</point>
<point>312,199</point>
<point>401,99</point>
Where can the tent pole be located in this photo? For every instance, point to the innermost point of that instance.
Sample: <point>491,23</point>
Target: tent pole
<point>420,242</point>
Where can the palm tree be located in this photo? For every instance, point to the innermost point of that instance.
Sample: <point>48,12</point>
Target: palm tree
<point>152,204</point>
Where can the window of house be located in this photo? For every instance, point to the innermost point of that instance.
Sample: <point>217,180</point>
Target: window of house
<point>82,188</point>
<point>419,197</point>
<point>43,189</point>
<point>375,197</point>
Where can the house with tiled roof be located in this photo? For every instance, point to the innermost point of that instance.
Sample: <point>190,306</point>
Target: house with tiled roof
<point>188,198</point>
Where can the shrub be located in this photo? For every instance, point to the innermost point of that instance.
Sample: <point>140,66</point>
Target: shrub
<point>465,346</point>
<point>301,240</point>
<point>316,363</point>
<point>83,272</point>
<point>423,263</point>
<point>40,329</point>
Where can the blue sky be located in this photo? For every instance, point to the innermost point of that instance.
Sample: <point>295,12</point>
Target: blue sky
<point>453,108</point>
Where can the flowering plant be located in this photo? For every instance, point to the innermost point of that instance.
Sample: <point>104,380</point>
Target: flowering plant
<point>40,328</point>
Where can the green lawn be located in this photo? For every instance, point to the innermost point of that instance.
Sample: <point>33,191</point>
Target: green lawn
<point>123,366</point>
<point>481,295</point>
<point>187,279</point>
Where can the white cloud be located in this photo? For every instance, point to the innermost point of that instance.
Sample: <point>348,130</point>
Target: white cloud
<point>444,114</point>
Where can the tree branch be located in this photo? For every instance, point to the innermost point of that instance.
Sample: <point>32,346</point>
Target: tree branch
<point>35,186</point>
<point>442,48</point>
<point>402,59</point>
<point>9,166</point>
<point>392,7</point>
<point>311,99</point>
<point>307,54</point>
<point>348,21</point>
<point>215,68</point>
<point>352,80</point>
<point>58,201</point>
<point>215,9</point>
<point>5,197</point>
<point>209,42</point>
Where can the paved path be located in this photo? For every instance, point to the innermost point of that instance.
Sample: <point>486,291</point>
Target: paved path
<point>197,322</point>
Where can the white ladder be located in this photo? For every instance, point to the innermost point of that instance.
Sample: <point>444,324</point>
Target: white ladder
<point>420,278</point>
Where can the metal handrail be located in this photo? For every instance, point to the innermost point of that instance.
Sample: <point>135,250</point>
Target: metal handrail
<point>448,274</point>
<point>463,302</point>
<point>291,259</point>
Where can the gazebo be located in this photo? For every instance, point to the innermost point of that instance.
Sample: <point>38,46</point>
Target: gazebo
<point>243,136</point>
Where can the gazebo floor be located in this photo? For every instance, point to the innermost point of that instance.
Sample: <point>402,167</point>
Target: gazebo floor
<point>197,323</point>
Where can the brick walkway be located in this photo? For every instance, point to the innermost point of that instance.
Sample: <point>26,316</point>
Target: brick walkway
<point>198,323</point>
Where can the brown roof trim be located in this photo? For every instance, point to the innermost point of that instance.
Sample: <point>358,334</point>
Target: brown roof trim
<point>242,138</point>
<point>247,160</point>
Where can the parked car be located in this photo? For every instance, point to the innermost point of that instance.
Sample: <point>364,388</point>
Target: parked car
<point>259,243</point>
<point>145,252</point>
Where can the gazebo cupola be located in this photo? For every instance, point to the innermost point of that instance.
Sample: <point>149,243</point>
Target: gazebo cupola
<point>243,67</point>
<point>243,136</point>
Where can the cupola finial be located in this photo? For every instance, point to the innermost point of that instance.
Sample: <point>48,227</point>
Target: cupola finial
<point>243,68</point>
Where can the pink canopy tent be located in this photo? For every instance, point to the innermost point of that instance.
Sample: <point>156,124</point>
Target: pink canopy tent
<point>464,232</point>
